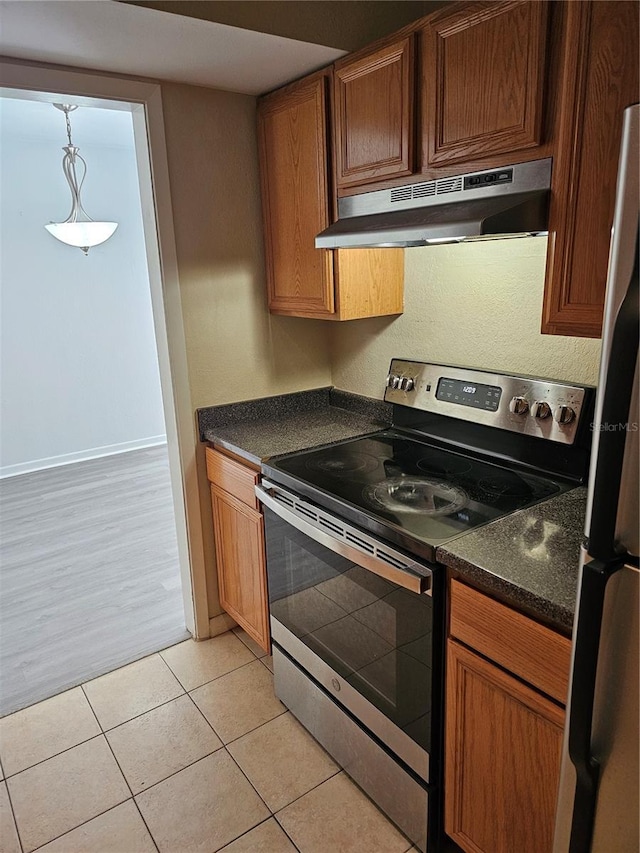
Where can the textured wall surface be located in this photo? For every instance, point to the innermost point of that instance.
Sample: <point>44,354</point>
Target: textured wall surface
<point>236,350</point>
<point>472,304</point>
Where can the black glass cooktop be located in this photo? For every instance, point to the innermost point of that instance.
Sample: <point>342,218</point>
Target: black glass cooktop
<point>428,493</point>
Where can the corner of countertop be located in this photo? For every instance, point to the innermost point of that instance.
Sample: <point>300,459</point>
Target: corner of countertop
<point>257,430</point>
<point>208,418</point>
<point>500,558</point>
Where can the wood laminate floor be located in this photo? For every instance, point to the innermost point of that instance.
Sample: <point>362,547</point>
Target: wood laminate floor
<point>89,574</point>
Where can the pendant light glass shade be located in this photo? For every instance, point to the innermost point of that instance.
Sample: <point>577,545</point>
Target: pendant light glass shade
<point>78,229</point>
<point>84,235</point>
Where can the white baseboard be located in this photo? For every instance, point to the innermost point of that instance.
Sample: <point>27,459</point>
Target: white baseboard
<point>81,456</point>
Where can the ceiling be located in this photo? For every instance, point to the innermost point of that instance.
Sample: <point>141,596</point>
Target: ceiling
<point>108,36</point>
<point>345,24</point>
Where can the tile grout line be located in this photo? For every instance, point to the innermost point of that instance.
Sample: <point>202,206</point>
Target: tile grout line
<point>95,716</point>
<point>217,676</point>
<point>339,770</point>
<point>175,772</point>
<point>153,841</point>
<point>13,812</point>
<point>333,775</point>
<point>255,728</point>
<point>103,733</point>
<point>207,721</point>
<point>300,796</point>
<point>251,829</point>
<point>133,796</point>
<point>136,716</point>
<point>84,823</point>
<point>259,795</point>
<point>242,835</point>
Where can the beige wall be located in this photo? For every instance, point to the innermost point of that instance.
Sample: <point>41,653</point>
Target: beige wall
<point>235,349</point>
<point>473,304</point>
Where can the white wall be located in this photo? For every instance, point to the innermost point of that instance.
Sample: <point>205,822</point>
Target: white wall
<point>472,304</point>
<point>79,374</point>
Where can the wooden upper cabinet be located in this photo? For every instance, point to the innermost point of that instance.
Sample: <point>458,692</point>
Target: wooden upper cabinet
<point>601,79</point>
<point>483,81</point>
<point>374,108</point>
<point>292,132</point>
<point>295,169</point>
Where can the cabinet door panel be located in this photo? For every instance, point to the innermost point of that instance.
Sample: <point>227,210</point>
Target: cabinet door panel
<point>295,197</point>
<point>374,115</point>
<point>502,759</point>
<point>483,81</point>
<point>240,562</point>
<point>602,81</point>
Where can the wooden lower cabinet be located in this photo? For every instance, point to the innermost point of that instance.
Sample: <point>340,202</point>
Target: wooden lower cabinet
<point>503,748</point>
<point>239,542</point>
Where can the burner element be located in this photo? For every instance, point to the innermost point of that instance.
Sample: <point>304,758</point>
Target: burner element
<point>417,495</point>
<point>444,465</point>
<point>505,484</point>
<point>343,466</point>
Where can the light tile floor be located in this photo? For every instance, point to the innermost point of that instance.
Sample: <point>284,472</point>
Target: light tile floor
<point>185,751</point>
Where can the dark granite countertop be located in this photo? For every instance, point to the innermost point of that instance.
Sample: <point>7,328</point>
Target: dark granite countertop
<point>271,426</point>
<point>529,558</point>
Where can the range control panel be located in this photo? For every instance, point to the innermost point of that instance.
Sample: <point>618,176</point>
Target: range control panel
<point>540,407</point>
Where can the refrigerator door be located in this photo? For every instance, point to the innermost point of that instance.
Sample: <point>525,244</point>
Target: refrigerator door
<point>599,789</point>
<point>612,511</point>
<point>615,720</point>
<point>598,795</point>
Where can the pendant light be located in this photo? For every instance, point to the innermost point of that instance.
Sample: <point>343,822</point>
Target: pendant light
<point>78,229</point>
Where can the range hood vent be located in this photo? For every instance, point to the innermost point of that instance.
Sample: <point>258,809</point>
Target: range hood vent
<point>508,202</point>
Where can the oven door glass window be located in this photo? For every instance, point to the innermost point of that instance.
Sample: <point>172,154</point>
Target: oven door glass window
<point>373,633</point>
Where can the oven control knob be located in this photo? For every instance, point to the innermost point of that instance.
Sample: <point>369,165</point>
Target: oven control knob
<point>407,383</point>
<point>519,405</point>
<point>540,410</point>
<point>564,414</point>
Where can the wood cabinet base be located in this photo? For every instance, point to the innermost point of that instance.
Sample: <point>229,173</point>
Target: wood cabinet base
<point>502,764</point>
<point>239,541</point>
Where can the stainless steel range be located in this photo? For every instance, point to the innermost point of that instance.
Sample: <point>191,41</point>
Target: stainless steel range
<point>356,594</point>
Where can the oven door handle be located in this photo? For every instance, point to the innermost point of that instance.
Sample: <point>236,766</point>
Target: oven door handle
<point>375,563</point>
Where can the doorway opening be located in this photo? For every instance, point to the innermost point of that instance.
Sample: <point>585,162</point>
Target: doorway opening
<point>92,560</point>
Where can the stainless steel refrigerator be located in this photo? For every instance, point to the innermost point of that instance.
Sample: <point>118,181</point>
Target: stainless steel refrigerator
<point>598,802</point>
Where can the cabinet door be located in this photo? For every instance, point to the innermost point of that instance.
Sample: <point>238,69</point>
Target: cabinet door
<point>602,79</point>
<point>483,71</point>
<point>374,115</point>
<point>240,562</point>
<point>502,759</point>
<point>292,130</point>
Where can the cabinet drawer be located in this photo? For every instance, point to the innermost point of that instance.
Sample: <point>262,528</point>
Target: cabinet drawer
<point>521,645</point>
<point>232,476</point>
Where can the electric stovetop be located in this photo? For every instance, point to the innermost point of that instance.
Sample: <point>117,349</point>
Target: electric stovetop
<point>389,482</point>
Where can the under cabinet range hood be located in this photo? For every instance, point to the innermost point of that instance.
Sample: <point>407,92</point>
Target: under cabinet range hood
<point>508,202</point>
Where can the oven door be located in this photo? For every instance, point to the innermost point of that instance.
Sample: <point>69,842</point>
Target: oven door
<point>358,617</point>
